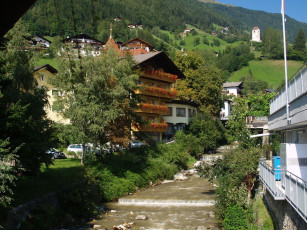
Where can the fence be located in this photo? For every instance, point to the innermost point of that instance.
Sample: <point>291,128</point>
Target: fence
<point>296,87</point>
<point>283,184</point>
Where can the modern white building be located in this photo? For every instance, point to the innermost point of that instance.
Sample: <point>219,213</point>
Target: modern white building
<point>287,182</point>
<point>256,34</point>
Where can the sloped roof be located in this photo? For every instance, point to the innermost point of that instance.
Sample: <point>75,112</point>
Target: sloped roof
<point>232,84</point>
<point>136,38</point>
<point>48,67</point>
<point>42,38</point>
<point>82,36</point>
<point>161,60</point>
<point>112,43</point>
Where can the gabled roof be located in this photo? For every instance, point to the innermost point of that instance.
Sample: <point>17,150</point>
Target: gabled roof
<point>42,38</point>
<point>112,43</point>
<point>82,36</point>
<point>136,38</point>
<point>232,84</point>
<point>48,67</point>
<point>161,60</point>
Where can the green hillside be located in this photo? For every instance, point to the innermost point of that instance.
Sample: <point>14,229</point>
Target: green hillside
<point>271,71</point>
<point>250,18</point>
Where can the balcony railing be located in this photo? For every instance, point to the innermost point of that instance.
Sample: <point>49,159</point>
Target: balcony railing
<point>282,184</point>
<point>151,108</point>
<point>159,75</point>
<point>152,127</point>
<point>296,87</point>
<point>156,92</point>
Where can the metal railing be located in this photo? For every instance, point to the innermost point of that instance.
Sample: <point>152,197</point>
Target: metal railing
<point>297,87</point>
<point>283,184</point>
<point>268,176</point>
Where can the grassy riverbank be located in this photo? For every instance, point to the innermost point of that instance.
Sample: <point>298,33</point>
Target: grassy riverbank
<point>108,178</point>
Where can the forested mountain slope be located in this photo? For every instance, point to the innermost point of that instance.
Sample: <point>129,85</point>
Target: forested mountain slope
<point>49,17</point>
<point>172,15</point>
<point>250,18</point>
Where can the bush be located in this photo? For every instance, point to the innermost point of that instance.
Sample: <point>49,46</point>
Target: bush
<point>190,143</point>
<point>235,218</point>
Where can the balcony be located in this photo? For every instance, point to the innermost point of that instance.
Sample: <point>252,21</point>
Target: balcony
<point>156,92</point>
<point>151,108</point>
<point>153,127</point>
<point>253,122</point>
<point>284,185</point>
<point>297,93</point>
<point>158,75</point>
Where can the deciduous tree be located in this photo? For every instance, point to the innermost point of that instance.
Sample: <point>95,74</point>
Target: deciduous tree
<point>93,93</point>
<point>202,83</point>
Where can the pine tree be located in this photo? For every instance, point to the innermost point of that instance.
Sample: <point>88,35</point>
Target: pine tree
<point>22,116</point>
<point>299,43</point>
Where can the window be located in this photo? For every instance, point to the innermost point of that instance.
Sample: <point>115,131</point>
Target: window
<point>138,82</point>
<point>54,108</point>
<point>180,112</point>
<point>170,111</point>
<point>42,78</point>
<point>190,112</point>
<point>55,92</point>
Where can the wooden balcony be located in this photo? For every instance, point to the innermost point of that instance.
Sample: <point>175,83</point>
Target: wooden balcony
<point>158,75</point>
<point>151,108</point>
<point>153,127</point>
<point>156,92</point>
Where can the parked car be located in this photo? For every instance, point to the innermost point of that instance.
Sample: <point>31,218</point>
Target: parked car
<point>136,143</point>
<point>55,154</point>
<point>76,148</point>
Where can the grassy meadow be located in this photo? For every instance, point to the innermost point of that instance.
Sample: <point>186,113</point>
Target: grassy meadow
<point>271,71</point>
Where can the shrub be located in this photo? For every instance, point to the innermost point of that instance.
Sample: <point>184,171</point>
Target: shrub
<point>235,218</point>
<point>190,143</point>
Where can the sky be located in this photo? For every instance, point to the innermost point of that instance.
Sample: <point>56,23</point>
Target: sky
<point>296,9</point>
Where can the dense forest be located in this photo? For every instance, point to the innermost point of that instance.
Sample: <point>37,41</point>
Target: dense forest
<point>250,18</point>
<point>63,18</point>
<point>86,15</point>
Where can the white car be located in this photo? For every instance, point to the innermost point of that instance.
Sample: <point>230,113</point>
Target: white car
<point>76,148</point>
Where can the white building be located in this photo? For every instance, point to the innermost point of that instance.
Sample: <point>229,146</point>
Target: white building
<point>288,181</point>
<point>41,41</point>
<point>230,89</point>
<point>180,113</point>
<point>84,41</point>
<point>256,34</point>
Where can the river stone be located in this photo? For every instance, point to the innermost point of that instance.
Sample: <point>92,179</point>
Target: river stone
<point>141,217</point>
<point>180,176</point>
<point>96,226</point>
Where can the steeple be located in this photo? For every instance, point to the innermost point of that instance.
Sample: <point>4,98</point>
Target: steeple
<point>111,30</point>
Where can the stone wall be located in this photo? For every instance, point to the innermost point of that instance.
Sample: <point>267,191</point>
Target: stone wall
<point>284,215</point>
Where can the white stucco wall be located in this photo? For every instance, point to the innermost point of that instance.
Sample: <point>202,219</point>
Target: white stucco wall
<point>179,120</point>
<point>256,35</point>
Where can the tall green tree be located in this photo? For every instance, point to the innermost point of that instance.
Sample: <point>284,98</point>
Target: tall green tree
<point>202,83</point>
<point>22,116</point>
<point>299,43</point>
<point>93,92</point>
<point>272,43</point>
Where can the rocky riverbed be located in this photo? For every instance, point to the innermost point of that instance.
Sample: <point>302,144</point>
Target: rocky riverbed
<point>187,202</point>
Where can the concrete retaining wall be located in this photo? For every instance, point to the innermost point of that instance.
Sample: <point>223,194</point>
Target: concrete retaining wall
<point>286,218</point>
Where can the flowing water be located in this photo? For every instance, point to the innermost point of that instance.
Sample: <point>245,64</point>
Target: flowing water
<point>187,204</point>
